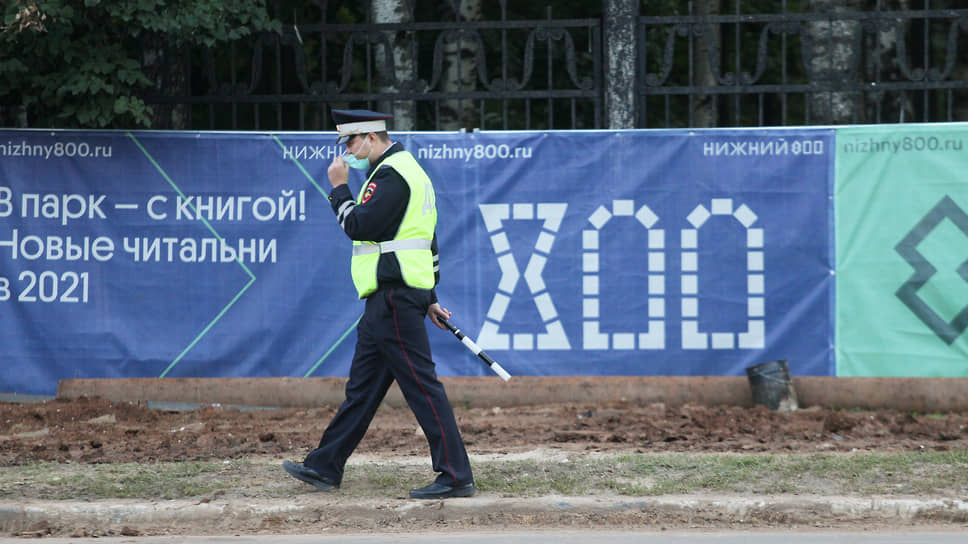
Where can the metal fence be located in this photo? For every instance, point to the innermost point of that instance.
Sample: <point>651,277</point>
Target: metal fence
<point>506,74</point>
<point>803,69</point>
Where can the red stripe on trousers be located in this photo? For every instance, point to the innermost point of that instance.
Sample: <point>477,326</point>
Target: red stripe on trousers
<point>403,349</point>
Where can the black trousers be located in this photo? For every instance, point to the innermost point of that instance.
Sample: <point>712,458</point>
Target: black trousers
<point>393,345</point>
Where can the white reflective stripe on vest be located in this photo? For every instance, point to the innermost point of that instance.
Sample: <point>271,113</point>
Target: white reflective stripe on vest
<point>391,246</point>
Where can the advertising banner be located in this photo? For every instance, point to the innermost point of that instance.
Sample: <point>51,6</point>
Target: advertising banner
<point>902,251</point>
<point>183,254</point>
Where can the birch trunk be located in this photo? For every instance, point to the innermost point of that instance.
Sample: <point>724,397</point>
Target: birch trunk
<point>833,57</point>
<point>396,68</point>
<point>460,71</point>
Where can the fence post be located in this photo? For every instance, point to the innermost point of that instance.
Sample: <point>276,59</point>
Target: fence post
<point>619,51</point>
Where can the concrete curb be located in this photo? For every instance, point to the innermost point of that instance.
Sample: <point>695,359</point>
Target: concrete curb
<point>913,394</point>
<point>319,511</point>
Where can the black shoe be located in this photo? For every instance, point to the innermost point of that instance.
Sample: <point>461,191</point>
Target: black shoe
<point>310,476</point>
<point>442,491</point>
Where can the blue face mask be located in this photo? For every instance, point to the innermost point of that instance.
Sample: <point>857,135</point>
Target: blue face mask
<point>353,162</point>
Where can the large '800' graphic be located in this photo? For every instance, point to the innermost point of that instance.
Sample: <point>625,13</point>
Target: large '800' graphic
<point>593,338</point>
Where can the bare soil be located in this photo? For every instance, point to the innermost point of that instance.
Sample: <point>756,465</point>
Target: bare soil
<point>100,431</point>
<point>95,431</point>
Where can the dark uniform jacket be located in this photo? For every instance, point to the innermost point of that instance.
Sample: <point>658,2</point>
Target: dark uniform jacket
<point>377,218</point>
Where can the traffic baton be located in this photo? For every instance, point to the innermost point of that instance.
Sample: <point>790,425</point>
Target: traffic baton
<point>476,350</point>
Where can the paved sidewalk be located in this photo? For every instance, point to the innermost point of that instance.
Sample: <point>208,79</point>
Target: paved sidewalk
<point>325,512</point>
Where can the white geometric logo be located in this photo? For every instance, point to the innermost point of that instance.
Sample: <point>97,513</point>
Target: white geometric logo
<point>755,335</point>
<point>494,216</point>
<point>654,338</point>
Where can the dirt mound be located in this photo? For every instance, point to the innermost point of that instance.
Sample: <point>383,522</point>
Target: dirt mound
<point>90,430</point>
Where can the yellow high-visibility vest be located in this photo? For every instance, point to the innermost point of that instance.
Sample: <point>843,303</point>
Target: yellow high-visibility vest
<point>411,244</point>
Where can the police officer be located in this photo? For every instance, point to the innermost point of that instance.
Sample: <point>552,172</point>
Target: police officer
<point>395,268</point>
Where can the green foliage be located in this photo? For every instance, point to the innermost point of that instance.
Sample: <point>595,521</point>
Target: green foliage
<point>85,63</point>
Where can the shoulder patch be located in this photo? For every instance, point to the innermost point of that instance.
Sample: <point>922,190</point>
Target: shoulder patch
<point>368,193</point>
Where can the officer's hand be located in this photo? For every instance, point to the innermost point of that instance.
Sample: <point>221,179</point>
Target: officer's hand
<point>437,314</point>
<point>338,172</point>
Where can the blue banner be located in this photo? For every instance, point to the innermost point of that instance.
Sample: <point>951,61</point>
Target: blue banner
<point>562,253</point>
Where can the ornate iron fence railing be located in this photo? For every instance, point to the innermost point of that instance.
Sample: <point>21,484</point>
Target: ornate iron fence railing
<point>503,74</point>
<point>803,69</point>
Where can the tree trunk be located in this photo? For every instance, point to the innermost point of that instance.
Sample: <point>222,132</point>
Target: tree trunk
<point>883,64</point>
<point>460,71</point>
<point>396,69</point>
<point>13,116</point>
<point>166,69</point>
<point>834,55</point>
<point>704,105</point>
<point>619,42</point>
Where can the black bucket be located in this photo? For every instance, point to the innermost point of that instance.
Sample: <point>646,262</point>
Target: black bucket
<point>771,385</point>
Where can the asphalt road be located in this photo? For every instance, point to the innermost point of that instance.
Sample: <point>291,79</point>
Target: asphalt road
<point>552,537</point>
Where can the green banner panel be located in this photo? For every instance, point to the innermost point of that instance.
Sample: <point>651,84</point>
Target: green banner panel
<point>901,208</point>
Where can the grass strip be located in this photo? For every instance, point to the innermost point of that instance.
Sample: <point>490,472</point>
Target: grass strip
<point>935,474</point>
